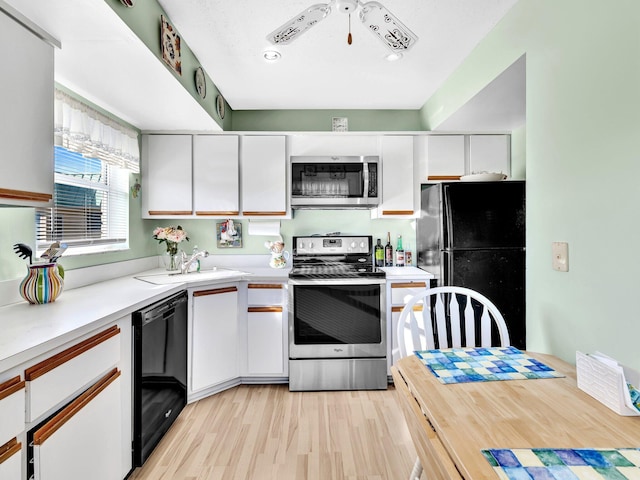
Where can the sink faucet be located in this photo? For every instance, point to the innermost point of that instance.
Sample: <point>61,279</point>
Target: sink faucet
<point>186,263</point>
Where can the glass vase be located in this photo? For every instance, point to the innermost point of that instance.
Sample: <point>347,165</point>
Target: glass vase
<point>172,262</point>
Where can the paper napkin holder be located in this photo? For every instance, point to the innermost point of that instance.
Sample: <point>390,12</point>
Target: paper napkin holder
<point>606,380</point>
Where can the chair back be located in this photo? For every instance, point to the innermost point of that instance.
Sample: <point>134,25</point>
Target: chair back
<point>455,317</point>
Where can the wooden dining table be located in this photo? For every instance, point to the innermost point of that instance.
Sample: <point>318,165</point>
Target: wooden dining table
<point>450,424</point>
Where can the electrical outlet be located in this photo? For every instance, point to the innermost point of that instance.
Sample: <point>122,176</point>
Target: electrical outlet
<point>560,252</point>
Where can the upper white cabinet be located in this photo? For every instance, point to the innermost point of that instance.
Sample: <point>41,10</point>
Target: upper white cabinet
<point>397,176</point>
<point>489,153</point>
<point>445,157</point>
<point>26,126</point>
<point>451,156</point>
<point>166,175</point>
<point>336,144</point>
<point>216,175</point>
<point>263,173</point>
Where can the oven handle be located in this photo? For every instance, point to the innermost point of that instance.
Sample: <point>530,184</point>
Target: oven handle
<point>338,281</point>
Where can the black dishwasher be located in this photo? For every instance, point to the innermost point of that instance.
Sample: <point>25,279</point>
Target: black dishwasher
<point>159,371</point>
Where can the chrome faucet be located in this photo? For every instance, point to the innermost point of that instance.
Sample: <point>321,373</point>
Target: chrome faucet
<point>186,263</point>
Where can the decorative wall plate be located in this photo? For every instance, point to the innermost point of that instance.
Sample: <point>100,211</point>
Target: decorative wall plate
<point>170,42</point>
<point>127,3</point>
<point>220,106</point>
<point>201,83</point>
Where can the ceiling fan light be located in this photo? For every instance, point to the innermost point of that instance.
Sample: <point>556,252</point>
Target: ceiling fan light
<point>393,57</point>
<point>385,26</point>
<point>299,24</point>
<point>271,55</point>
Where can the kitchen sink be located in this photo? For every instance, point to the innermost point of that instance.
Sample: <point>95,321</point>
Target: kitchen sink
<point>201,276</point>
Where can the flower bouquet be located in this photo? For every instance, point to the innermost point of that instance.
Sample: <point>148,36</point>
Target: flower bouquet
<point>171,236</point>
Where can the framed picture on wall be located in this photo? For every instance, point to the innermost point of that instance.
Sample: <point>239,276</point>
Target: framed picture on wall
<point>229,234</point>
<point>170,43</point>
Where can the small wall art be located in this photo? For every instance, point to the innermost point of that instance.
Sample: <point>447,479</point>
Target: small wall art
<point>229,234</point>
<point>170,42</point>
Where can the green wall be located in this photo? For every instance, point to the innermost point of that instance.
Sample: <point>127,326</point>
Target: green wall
<point>582,165</point>
<point>320,120</point>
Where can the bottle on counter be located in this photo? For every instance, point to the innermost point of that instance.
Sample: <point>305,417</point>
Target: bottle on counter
<point>399,253</point>
<point>408,255</point>
<point>388,252</point>
<point>379,254</point>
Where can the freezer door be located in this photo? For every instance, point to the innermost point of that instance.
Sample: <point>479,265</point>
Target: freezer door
<point>484,215</point>
<point>429,227</point>
<point>499,275</point>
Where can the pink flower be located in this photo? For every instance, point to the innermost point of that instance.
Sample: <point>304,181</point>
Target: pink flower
<point>171,236</point>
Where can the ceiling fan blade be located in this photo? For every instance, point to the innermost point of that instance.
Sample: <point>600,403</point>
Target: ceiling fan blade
<point>386,26</point>
<point>299,24</point>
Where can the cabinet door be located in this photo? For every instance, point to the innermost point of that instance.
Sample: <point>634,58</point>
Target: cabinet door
<point>215,175</point>
<point>264,176</point>
<point>265,343</point>
<point>83,440</point>
<point>166,175</point>
<point>397,176</point>
<point>490,153</point>
<point>26,126</point>
<point>446,157</point>
<point>214,337</point>
<point>11,460</point>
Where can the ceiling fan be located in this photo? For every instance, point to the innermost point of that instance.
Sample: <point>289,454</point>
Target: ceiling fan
<point>376,17</point>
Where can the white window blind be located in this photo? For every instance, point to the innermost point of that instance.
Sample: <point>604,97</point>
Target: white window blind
<point>94,156</point>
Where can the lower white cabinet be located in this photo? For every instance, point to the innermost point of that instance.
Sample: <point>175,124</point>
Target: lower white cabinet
<point>11,460</point>
<point>267,349</point>
<point>84,439</point>
<point>214,337</point>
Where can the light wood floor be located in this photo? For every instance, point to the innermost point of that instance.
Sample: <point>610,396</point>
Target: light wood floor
<point>263,432</point>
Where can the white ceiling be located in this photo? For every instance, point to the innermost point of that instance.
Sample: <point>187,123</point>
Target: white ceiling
<point>102,60</point>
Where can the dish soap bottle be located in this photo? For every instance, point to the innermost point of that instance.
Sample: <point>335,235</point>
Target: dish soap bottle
<point>379,254</point>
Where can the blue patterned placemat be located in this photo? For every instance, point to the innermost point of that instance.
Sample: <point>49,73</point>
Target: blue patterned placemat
<point>484,364</point>
<point>565,464</point>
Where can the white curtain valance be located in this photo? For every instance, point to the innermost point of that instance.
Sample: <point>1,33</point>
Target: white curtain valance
<point>84,130</point>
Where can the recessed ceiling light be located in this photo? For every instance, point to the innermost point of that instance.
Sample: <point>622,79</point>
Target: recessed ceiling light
<point>271,55</point>
<point>392,57</point>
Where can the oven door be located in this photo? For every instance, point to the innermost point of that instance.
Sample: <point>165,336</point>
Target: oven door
<point>337,318</point>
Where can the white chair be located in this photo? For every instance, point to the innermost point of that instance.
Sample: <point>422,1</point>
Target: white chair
<point>449,317</point>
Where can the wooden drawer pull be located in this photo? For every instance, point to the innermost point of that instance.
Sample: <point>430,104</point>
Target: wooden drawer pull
<point>8,449</point>
<point>265,285</point>
<point>397,212</point>
<point>213,213</point>
<point>214,291</point>
<point>409,285</point>
<point>10,387</point>
<point>169,212</point>
<point>70,353</point>
<point>74,407</point>
<point>25,195</point>
<point>264,214</point>
<point>399,308</point>
<point>264,309</point>
<point>444,177</point>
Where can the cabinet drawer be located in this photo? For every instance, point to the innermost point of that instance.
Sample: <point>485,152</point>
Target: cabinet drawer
<point>12,416</point>
<point>57,378</point>
<point>402,292</point>
<point>265,294</point>
<point>11,459</point>
<point>83,439</point>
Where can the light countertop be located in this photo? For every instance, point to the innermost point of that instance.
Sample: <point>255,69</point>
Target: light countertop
<point>406,273</point>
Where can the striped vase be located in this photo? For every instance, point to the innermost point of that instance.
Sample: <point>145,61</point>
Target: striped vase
<point>43,283</point>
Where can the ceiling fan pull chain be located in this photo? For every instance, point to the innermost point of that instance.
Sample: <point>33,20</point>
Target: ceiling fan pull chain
<point>349,38</point>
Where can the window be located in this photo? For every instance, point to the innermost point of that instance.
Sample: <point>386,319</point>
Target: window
<point>93,158</point>
<point>91,205</point>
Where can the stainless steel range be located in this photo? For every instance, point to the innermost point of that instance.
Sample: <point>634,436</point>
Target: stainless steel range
<point>337,321</point>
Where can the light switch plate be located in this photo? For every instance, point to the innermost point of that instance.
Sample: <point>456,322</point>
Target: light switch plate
<point>560,252</point>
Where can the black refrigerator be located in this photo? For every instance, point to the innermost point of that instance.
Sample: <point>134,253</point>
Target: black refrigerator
<point>472,234</point>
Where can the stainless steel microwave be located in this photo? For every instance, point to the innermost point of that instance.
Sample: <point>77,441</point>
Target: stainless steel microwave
<point>335,181</point>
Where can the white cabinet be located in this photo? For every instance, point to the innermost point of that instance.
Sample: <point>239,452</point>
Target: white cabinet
<point>263,173</point>
<point>11,460</point>
<point>214,337</point>
<point>490,153</point>
<point>166,175</point>
<point>216,175</point>
<point>451,156</point>
<point>84,439</point>
<point>397,176</point>
<point>26,125</point>
<point>12,424</point>
<point>446,157</point>
<point>266,330</point>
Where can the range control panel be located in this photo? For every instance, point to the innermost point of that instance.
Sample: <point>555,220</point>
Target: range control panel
<point>332,245</point>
